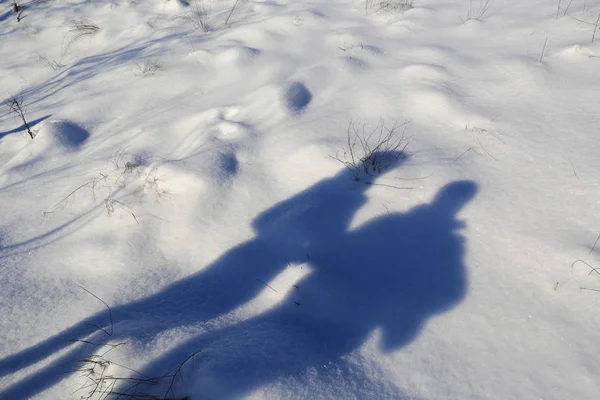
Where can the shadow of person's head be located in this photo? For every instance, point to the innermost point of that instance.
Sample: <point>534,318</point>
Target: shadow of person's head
<point>412,264</point>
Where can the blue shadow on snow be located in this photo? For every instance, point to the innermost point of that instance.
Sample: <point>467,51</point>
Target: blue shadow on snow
<point>391,273</point>
<point>23,128</point>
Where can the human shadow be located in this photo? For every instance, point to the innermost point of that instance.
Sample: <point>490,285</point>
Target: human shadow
<point>284,234</point>
<point>391,274</point>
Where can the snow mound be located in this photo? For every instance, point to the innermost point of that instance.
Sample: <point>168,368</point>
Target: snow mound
<point>65,135</point>
<point>175,5</point>
<point>52,142</point>
<point>235,55</point>
<point>575,51</point>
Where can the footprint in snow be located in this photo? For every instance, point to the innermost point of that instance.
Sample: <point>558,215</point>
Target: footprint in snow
<point>298,97</point>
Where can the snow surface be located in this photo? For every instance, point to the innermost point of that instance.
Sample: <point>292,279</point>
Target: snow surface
<point>189,180</point>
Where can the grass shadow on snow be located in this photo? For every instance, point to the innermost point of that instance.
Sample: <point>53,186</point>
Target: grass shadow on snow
<point>90,67</point>
<point>7,15</point>
<point>391,273</point>
<point>68,228</point>
<point>22,128</point>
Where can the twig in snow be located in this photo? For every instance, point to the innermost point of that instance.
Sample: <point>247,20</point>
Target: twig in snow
<point>592,269</point>
<point>231,12</point>
<point>111,346</point>
<point>484,6</point>
<point>462,154</point>
<point>567,8</point>
<point>178,372</point>
<point>110,204</point>
<point>595,28</point>
<point>496,117</point>
<point>543,50</point>
<point>110,316</point>
<point>593,290</point>
<point>573,167</point>
<point>267,285</point>
<point>414,179</point>
<point>594,245</point>
<point>484,149</point>
<point>389,186</point>
<point>476,133</point>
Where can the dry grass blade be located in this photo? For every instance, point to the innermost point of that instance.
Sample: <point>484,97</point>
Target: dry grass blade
<point>595,28</point>
<point>105,379</point>
<point>231,11</point>
<point>83,27</point>
<point>110,316</point>
<point>592,268</point>
<point>200,16</point>
<point>484,6</point>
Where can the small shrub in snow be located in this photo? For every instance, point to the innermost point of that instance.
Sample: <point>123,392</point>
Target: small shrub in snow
<point>200,15</point>
<point>148,68</point>
<point>127,177</point>
<point>370,151</point>
<point>17,106</point>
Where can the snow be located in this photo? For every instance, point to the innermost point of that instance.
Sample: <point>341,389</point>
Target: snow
<point>200,186</point>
